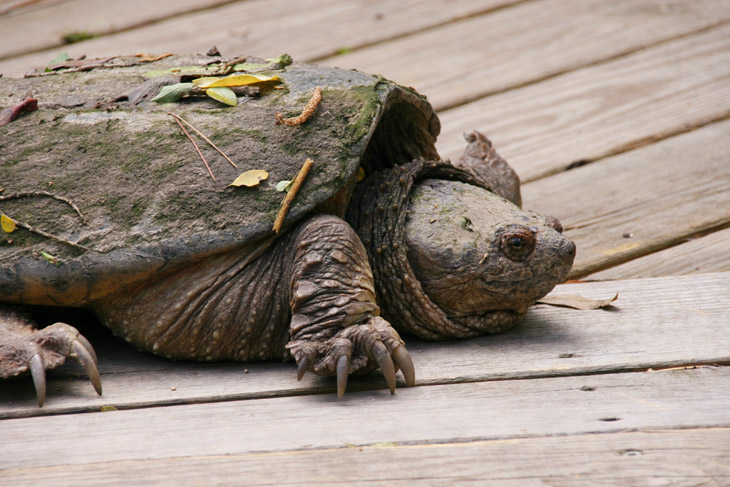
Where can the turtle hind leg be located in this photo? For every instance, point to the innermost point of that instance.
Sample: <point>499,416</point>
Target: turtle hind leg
<point>24,348</point>
<point>336,328</point>
<point>483,162</point>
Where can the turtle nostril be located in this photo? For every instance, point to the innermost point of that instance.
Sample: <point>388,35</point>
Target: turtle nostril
<point>568,251</point>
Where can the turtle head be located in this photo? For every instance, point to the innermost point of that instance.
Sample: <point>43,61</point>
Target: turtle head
<point>474,252</point>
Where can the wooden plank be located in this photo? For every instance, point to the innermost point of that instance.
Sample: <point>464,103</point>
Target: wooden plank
<point>44,26</point>
<point>659,194</point>
<point>671,399</point>
<point>306,29</point>
<point>677,457</point>
<point>464,61</point>
<point>601,110</point>
<point>710,253</point>
<point>551,342</point>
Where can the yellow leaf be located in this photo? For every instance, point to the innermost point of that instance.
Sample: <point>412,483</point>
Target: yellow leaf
<point>250,178</point>
<point>7,223</point>
<point>223,95</point>
<point>241,80</point>
<point>205,81</point>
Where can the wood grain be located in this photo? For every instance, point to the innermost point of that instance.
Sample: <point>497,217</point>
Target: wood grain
<point>306,29</point>
<point>655,323</point>
<point>659,194</point>
<point>466,60</point>
<point>662,457</point>
<point>43,26</point>
<point>601,110</point>
<point>607,403</point>
<point>710,253</point>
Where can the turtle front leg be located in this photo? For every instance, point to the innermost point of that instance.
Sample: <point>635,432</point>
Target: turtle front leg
<point>25,348</point>
<point>335,326</point>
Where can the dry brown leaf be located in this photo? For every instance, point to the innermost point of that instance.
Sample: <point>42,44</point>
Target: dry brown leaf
<point>577,302</point>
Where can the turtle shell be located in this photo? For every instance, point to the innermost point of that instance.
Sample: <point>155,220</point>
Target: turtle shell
<point>146,203</point>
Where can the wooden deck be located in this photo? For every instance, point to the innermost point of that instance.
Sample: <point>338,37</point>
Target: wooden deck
<point>616,115</point>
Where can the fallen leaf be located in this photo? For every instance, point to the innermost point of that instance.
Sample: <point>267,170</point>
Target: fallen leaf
<point>223,95</point>
<point>50,258</point>
<point>284,185</point>
<point>172,93</point>
<point>7,223</point>
<point>577,302</point>
<point>241,80</point>
<point>105,409</point>
<point>250,178</point>
<point>63,56</point>
<point>205,81</point>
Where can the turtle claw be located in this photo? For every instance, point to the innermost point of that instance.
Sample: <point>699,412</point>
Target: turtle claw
<point>303,366</point>
<point>82,355</point>
<point>23,348</point>
<point>356,348</point>
<point>382,356</point>
<point>403,361</point>
<point>343,371</point>
<point>38,372</point>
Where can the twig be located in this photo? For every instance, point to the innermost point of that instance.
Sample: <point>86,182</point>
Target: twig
<point>45,193</point>
<point>196,147</point>
<point>286,202</point>
<point>51,236</point>
<point>180,119</point>
<point>9,114</point>
<point>306,113</point>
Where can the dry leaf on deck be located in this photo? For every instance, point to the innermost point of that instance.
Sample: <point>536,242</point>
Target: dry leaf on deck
<point>250,178</point>
<point>576,302</point>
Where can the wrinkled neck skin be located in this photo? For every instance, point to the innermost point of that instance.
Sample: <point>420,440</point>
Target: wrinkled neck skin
<point>378,214</point>
<point>436,257</point>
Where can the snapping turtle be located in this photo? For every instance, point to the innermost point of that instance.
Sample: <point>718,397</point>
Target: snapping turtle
<point>115,213</point>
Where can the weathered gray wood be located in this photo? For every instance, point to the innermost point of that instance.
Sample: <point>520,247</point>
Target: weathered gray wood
<point>710,253</point>
<point>42,26</point>
<point>663,457</point>
<point>306,29</point>
<point>606,403</point>
<point>660,194</point>
<point>601,110</point>
<point>527,42</point>
<point>655,323</point>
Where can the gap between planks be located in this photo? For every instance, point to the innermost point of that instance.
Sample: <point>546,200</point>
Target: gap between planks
<point>673,399</point>
<point>552,342</point>
<point>307,29</point>
<point>657,195</point>
<point>636,458</point>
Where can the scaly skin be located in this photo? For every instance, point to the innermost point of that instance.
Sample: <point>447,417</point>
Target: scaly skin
<point>308,294</point>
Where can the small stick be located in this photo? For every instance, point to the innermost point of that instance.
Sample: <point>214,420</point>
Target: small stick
<point>45,193</point>
<point>196,147</point>
<point>51,236</point>
<point>8,115</point>
<point>312,105</point>
<point>180,119</point>
<point>286,202</point>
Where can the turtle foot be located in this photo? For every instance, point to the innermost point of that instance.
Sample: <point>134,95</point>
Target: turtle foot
<point>23,348</point>
<point>363,347</point>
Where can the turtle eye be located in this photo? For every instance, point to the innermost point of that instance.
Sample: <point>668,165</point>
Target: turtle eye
<point>518,243</point>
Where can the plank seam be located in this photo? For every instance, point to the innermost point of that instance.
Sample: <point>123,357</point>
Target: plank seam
<point>644,251</point>
<point>403,444</point>
<point>645,368</point>
<point>597,62</point>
